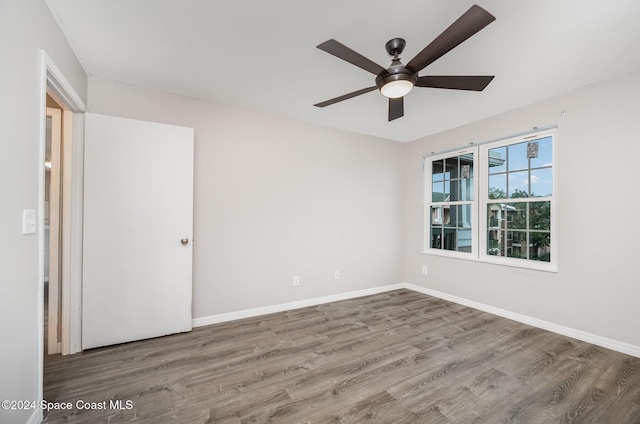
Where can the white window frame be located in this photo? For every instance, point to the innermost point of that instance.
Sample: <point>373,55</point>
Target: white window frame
<point>427,203</point>
<point>480,221</point>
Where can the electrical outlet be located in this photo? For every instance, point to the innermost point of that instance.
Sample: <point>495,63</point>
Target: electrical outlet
<point>296,280</point>
<point>336,275</point>
<point>425,271</point>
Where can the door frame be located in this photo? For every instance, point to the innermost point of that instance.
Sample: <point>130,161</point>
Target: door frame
<point>53,82</point>
<point>54,344</point>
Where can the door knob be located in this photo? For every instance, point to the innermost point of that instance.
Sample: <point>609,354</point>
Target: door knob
<point>184,241</point>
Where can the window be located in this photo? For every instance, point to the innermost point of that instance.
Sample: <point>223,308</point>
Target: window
<point>451,213</point>
<point>494,202</point>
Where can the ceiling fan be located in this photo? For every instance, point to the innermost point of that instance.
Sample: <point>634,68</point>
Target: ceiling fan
<point>398,79</point>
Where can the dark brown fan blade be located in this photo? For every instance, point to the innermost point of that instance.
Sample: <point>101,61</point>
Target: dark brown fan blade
<point>455,82</point>
<point>345,53</point>
<point>396,108</point>
<point>345,96</point>
<point>468,24</point>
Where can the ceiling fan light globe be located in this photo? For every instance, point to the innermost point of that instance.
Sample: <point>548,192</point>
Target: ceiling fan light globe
<point>395,89</point>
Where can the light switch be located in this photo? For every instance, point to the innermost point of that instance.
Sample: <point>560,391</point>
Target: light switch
<point>28,221</point>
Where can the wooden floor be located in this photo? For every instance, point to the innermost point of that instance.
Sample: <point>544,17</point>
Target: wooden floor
<point>396,357</point>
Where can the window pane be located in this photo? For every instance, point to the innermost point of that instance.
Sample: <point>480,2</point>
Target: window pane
<point>466,189</point>
<point>437,170</point>
<point>495,242</point>
<point>498,186</point>
<point>545,155</point>
<point>518,185</point>
<point>466,180</point>
<point>517,244</point>
<point>453,168</point>
<point>495,216</point>
<point>541,182</point>
<point>464,216</point>
<point>436,215</point>
<point>464,240</point>
<point>540,246</point>
<point>517,156</point>
<point>466,160</point>
<point>497,160</point>
<point>447,191</point>
<point>450,215</point>
<point>447,163</point>
<point>517,216</point>
<point>436,238</point>
<point>540,216</point>
<point>449,239</point>
<point>454,186</point>
<point>446,215</point>
<point>437,192</point>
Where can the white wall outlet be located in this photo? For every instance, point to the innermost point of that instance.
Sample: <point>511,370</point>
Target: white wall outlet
<point>336,275</point>
<point>425,271</point>
<point>296,280</point>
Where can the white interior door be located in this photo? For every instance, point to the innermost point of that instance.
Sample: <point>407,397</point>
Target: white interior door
<point>138,223</point>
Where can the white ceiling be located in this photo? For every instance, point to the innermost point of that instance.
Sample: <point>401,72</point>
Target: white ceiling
<point>261,55</point>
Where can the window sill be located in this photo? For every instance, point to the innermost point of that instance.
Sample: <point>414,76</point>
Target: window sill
<point>495,260</point>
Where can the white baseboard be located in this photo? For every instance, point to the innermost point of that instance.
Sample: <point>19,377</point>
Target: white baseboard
<point>249,313</point>
<point>616,345</point>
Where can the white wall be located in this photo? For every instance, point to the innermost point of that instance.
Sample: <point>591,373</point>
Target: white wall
<point>276,197</point>
<point>596,289</point>
<point>25,27</point>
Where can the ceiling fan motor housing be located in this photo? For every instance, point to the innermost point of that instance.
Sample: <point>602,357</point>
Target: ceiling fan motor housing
<point>395,72</point>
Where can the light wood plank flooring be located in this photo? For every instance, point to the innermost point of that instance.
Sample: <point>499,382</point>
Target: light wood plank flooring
<point>396,357</point>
